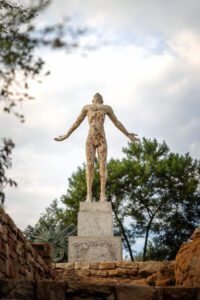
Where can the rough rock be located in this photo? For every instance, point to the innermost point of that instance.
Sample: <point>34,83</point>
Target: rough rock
<point>80,290</point>
<point>164,277</point>
<point>149,267</point>
<point>50,290</point>
<point>187,266</point>
<point>106,265</point>
<point>82,265</point>
<point>140,293</point>
<point>128,265</point>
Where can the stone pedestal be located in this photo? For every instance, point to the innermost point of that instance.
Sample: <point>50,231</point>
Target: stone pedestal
<point>95,219</point>
<point>95,241</point>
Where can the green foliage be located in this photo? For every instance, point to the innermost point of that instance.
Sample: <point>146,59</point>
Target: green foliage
<point>57,237</point>
<point>5,164</point>
<point>52,228</point>
<point>162,190</point>
<point>182,215</point>
<point>16,53</point>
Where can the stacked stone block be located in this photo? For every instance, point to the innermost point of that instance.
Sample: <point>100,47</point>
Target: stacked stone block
<point>145,273</point>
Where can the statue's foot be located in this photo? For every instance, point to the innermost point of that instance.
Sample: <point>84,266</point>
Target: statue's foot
<point>103,199</point>
<point>88,199</point>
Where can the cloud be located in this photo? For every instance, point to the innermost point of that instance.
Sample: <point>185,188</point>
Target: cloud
<point>186,47</point>
<point>142,17</point>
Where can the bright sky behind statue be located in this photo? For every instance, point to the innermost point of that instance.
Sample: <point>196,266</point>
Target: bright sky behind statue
<point>147,68</point>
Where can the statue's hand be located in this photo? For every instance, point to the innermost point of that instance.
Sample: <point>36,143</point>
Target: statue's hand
<point>133,137</point>
<point>60,138</point>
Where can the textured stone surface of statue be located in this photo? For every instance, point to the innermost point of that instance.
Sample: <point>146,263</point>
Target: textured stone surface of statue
<point>96,140</point>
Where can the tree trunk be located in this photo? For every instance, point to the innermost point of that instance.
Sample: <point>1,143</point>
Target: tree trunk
<point>123,232</point>
<point>146,238</point>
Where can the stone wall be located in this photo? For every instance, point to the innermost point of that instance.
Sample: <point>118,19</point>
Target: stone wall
<point>62,290</point>
<point>150,273</point>
<point>18,258</point>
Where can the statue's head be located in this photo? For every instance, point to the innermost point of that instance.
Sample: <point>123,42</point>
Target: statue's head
<point>98,99</point>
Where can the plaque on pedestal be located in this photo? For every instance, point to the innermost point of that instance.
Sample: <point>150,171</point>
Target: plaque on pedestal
<point>95,249</point>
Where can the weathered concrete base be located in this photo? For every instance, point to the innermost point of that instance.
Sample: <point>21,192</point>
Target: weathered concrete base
<point>95,219</point>
<point>95,223</point>
<point>95,241</point>
<point>96,206</point>
<point>94,249</point>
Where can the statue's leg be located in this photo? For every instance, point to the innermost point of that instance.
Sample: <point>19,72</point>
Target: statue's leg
<point>102,155</point>
<point>90,156</point>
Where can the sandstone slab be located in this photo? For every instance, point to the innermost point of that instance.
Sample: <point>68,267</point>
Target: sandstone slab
<point>121,272</point>
<point>67,266</point>
<point>106,265</point>
<point>82,265</point>
<point>127,265</point>
<point>94,265</point>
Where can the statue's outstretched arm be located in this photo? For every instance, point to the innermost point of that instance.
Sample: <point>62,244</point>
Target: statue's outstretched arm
<point>78,121</point>
<point>132,136</point>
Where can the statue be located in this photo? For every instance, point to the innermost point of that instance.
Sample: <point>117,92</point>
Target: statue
<point>96,140</point>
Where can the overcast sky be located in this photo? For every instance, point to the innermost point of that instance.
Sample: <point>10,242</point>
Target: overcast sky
<point>147,69</point>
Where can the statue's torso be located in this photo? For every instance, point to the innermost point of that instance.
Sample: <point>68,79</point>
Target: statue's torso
<point>96,114</point>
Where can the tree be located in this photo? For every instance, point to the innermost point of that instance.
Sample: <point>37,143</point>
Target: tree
<point>183,215</point>
<point>161,191</point>
<point>145,164</point>
<point>115,194</point>
<point>5,163</point>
